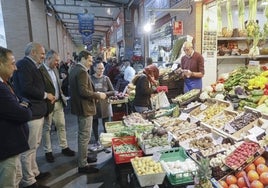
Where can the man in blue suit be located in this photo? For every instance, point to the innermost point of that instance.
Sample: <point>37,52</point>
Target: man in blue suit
<point>29,84</point>
<point>14,114</point>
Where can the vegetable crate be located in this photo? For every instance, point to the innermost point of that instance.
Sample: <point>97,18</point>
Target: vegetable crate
<point>149,179</point>
<point>181,177</point>
<point>129,149</point>
<point>114,126</point>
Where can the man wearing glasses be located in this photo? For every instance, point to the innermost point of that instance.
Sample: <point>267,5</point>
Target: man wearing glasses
<point>192,68</point>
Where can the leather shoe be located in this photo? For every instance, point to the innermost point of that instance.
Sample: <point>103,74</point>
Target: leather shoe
<point>87,170</point>
<point>42,175</point>
<point>68,152</point>
<point>35,185</point>
<point>49,157</point>
<point>91,159</point>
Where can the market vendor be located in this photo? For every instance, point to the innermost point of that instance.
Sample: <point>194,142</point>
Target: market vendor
<point>191,68</point>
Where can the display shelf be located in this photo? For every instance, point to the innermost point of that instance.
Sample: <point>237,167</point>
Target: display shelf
<point>233,38</point>
<point>242,56</point>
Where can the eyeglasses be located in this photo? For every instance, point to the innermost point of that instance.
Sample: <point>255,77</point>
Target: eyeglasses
<point>187,49</point>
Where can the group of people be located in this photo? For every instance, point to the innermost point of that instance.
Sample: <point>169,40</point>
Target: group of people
<point>34,100</point>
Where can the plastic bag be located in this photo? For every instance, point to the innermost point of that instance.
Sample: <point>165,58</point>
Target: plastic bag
<point>160,100</point>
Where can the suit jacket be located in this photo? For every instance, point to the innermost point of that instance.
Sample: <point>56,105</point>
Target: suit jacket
<point>13,121</point>
<point>82,92</point>
<point>49,87</point>
<point>29,83</point>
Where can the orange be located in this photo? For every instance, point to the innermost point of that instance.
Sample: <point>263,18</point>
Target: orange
<point>240,174</point>
<point>253,175</point>
<point>259,160</point>
<point>256,184</point>
<point>250,167</point>
<point>233,186</point>
<point>231,179</point>
<point>262,168</point>
<point>223,184</point>
<point>241,182</point>
<point>264,178</point>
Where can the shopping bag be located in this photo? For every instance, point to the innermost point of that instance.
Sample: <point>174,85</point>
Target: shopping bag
<point>160,100</point>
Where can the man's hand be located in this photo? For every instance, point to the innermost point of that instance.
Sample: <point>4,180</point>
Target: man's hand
<point>51,97</point>
<point>102,95</point>
<point>187,73</point>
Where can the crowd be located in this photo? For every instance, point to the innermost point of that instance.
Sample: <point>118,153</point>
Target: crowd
<point>34,92</point>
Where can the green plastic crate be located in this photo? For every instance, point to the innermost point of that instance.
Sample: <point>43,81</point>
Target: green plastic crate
<point>174,155</point>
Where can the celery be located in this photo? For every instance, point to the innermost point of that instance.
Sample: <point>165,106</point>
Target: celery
<point>229,15</point>
<point>241,13</point>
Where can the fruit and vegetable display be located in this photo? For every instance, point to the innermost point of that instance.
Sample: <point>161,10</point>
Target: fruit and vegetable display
<point>146,165</point>
<point>135,119</point>
<point>187,97</point>
<point>221,119</point>
<point>241,154</point>
<point>254,175</point>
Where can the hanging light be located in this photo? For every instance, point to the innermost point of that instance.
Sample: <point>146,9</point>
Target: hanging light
<point>264,2</point>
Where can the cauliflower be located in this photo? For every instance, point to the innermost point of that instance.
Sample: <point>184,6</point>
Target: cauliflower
<point>219,96</point>
<point>208,89</point>
<point>219,87</point>
<point>204,95</point>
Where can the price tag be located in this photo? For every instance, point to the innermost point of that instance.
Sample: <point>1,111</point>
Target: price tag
<point>183,116</point>
<point>203,107</point>
<point>156,156</point>
<point>170,137</point>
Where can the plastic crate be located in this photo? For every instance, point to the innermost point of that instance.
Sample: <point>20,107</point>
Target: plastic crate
<point>174,155</point>
<point>149,179</point>
<point>125,157</point>
<point>114,126</point>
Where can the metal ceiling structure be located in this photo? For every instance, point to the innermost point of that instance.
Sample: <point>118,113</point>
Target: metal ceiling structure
<point>105,14</point>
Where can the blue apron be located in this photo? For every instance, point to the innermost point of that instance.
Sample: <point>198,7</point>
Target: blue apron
<point>192,83</point>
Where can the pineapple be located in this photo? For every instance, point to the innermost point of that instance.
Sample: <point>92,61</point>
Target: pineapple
<point>204,174</point>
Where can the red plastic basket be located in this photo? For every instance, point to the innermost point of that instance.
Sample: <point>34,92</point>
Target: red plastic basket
<point>125,157</point>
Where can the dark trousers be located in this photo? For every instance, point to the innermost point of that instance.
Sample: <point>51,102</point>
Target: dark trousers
<point>96,127</point>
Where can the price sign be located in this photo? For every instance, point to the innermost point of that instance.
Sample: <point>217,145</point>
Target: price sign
<point>156,156</point>
<point>183,116</point>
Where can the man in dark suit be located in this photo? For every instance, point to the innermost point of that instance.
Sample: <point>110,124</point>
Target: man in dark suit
<point>55,110</point>
<point>29,84</point>
<point>14,115</point>
<point>83,106</point>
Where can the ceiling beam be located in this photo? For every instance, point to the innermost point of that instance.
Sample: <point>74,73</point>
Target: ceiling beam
<point>97,17</point>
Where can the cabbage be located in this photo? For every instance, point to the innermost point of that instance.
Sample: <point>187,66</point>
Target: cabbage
<point>219,96</point>
<point>219,87</point>
<point>204,95</point>
<point>208,89</point>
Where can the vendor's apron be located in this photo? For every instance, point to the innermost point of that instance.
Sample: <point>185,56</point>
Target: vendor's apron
<point>192,83</point>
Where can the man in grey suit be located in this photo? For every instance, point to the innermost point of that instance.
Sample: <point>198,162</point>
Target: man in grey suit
<point>55,110</point>
<point>83,97</point>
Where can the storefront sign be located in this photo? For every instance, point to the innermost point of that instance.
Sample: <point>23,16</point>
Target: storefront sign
<point>86,24</point>
<point>87,39</point>
<point>178,28</point>
<point>119,33</point>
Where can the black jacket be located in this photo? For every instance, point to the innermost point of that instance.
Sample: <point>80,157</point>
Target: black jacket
<point>29,83</point>
<point>13,121</point>
<point>143,92</point>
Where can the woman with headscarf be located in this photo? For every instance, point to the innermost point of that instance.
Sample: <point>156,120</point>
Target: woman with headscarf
<point>146,84</point>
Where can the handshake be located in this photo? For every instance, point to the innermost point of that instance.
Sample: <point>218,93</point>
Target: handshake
<point>184,72</point>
